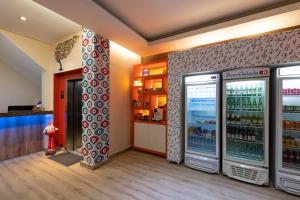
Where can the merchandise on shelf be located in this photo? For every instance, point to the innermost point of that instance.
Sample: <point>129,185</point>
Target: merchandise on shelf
<point>149,114</point>
<point>291,91</point>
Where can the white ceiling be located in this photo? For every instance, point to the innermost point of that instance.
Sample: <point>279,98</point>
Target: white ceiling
<point>149,27</point>
<point>42,24</point>
<point>159,18</point>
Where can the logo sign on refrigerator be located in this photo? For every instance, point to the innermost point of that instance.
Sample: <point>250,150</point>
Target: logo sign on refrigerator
<point>246,73</point>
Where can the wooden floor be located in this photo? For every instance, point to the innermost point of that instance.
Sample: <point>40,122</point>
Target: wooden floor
<point>130,175</point>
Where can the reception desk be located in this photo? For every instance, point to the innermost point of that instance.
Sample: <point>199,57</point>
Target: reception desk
<point>22,133</point>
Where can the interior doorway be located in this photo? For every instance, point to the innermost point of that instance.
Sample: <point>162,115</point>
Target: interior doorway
<point>74,114</point>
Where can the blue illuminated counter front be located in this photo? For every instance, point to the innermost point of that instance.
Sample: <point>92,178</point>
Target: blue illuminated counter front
<point>22,134</point>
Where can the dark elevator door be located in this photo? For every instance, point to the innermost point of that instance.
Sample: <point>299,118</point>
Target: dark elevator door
<point>74,114</point>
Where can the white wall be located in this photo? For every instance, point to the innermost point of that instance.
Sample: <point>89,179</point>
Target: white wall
<point>121,63</point>
<point>16,89</point>
<point>43,54</point>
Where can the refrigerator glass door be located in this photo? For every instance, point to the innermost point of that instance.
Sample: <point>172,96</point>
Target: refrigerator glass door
<point>201,119</point>
<point>290,125</point>
<point>245,117</point>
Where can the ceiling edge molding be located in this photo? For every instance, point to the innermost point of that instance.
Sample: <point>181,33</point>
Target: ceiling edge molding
<point>245,19</point>
<point>155,56</point>
<point>115,15</point>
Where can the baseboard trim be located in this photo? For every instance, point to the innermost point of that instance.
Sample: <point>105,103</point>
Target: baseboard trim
<point>120,152</point>
<point>94,167</point>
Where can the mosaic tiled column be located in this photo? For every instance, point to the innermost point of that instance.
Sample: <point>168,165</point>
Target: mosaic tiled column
<point>95,97</point>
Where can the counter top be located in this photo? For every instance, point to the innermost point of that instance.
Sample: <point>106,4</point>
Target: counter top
<point>25,113</point>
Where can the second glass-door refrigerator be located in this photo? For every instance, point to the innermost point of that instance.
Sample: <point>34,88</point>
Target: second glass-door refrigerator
<point>246,125</point>
<point>285,126</point>
<point>202,122</point>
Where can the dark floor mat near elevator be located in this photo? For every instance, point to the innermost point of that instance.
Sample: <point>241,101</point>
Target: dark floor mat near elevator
<point>66,158</point>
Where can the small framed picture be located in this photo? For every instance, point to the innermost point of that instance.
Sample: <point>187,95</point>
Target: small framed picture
<point>145,72</point>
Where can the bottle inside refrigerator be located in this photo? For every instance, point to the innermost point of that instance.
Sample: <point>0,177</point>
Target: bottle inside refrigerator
<point>245,125</point>
<point>286,123</point>
<point>202,122</point>
<point>245,120</point>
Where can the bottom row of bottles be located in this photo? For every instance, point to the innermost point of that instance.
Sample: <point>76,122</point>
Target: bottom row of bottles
<point>251,151</point>
<point>202,143</point>
<point>291,156</point>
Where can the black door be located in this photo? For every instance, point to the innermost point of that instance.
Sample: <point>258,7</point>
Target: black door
<point>74,114</point>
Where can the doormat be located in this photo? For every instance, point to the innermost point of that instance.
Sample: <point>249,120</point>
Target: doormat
<point>66,159</point>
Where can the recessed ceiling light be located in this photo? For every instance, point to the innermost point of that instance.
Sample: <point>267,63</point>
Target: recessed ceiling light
<point>23,18</point>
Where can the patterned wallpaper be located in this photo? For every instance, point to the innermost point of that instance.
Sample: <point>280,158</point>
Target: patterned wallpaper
<point>276,48</point>
<point>95,97</point>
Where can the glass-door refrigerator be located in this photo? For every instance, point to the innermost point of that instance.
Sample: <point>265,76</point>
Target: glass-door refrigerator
<point>285,127</point>
<point>246,125</point>
<point>202,122</point>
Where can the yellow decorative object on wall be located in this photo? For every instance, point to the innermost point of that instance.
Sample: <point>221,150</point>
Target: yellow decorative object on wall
<point>63,49</point>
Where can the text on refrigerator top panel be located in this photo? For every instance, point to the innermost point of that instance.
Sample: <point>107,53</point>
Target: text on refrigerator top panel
<point>289,71</point>
<point>201,78</point>
<point>246,73</point>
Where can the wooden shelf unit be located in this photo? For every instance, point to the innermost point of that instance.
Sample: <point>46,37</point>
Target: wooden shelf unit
<point>149,90</point>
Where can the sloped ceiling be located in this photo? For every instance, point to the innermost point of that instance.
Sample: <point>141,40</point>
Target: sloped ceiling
<point>19,60</point>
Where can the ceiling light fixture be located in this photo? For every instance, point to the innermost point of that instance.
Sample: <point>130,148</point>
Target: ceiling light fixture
<point>22,18</point>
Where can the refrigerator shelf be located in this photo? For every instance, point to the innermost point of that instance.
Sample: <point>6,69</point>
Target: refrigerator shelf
<point>291,130</point>
<point>246,125</point>
<point>292,95</point>
<point>245,141</point>
<point>202,150</point>
<point>205,122</point>
<point>238,96</point>
<point>244,110</point>
<point>292,166</point>
<point>204,136</point>
<point>296,148</point>
<point>248,157</point>
<point>295,112</point>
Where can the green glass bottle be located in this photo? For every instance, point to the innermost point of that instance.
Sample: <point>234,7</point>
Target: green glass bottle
<point>231,90</point>
<point>238,103</point>
<point>232,105</point>
<point>244,91</point>
<point>254,90</point>
<point>249,90</point>
<point>260,106</point>
<point>244,104</point>
<point>254,105</point>
<point>234,90</point>
<point>260,89</point>
<point>228,106</point>
<point>249,105</point>
<point>227,91</point>
<point>249,119</point>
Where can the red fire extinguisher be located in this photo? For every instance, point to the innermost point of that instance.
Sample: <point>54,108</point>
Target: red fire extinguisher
<point>50,131</point>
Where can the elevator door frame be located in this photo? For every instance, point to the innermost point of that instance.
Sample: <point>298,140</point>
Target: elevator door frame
<point>68,145</point>
<point>59,102</point>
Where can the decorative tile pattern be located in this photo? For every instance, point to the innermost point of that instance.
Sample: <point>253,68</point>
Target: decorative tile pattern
<point>95,98</point>
<point>277,48</point>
